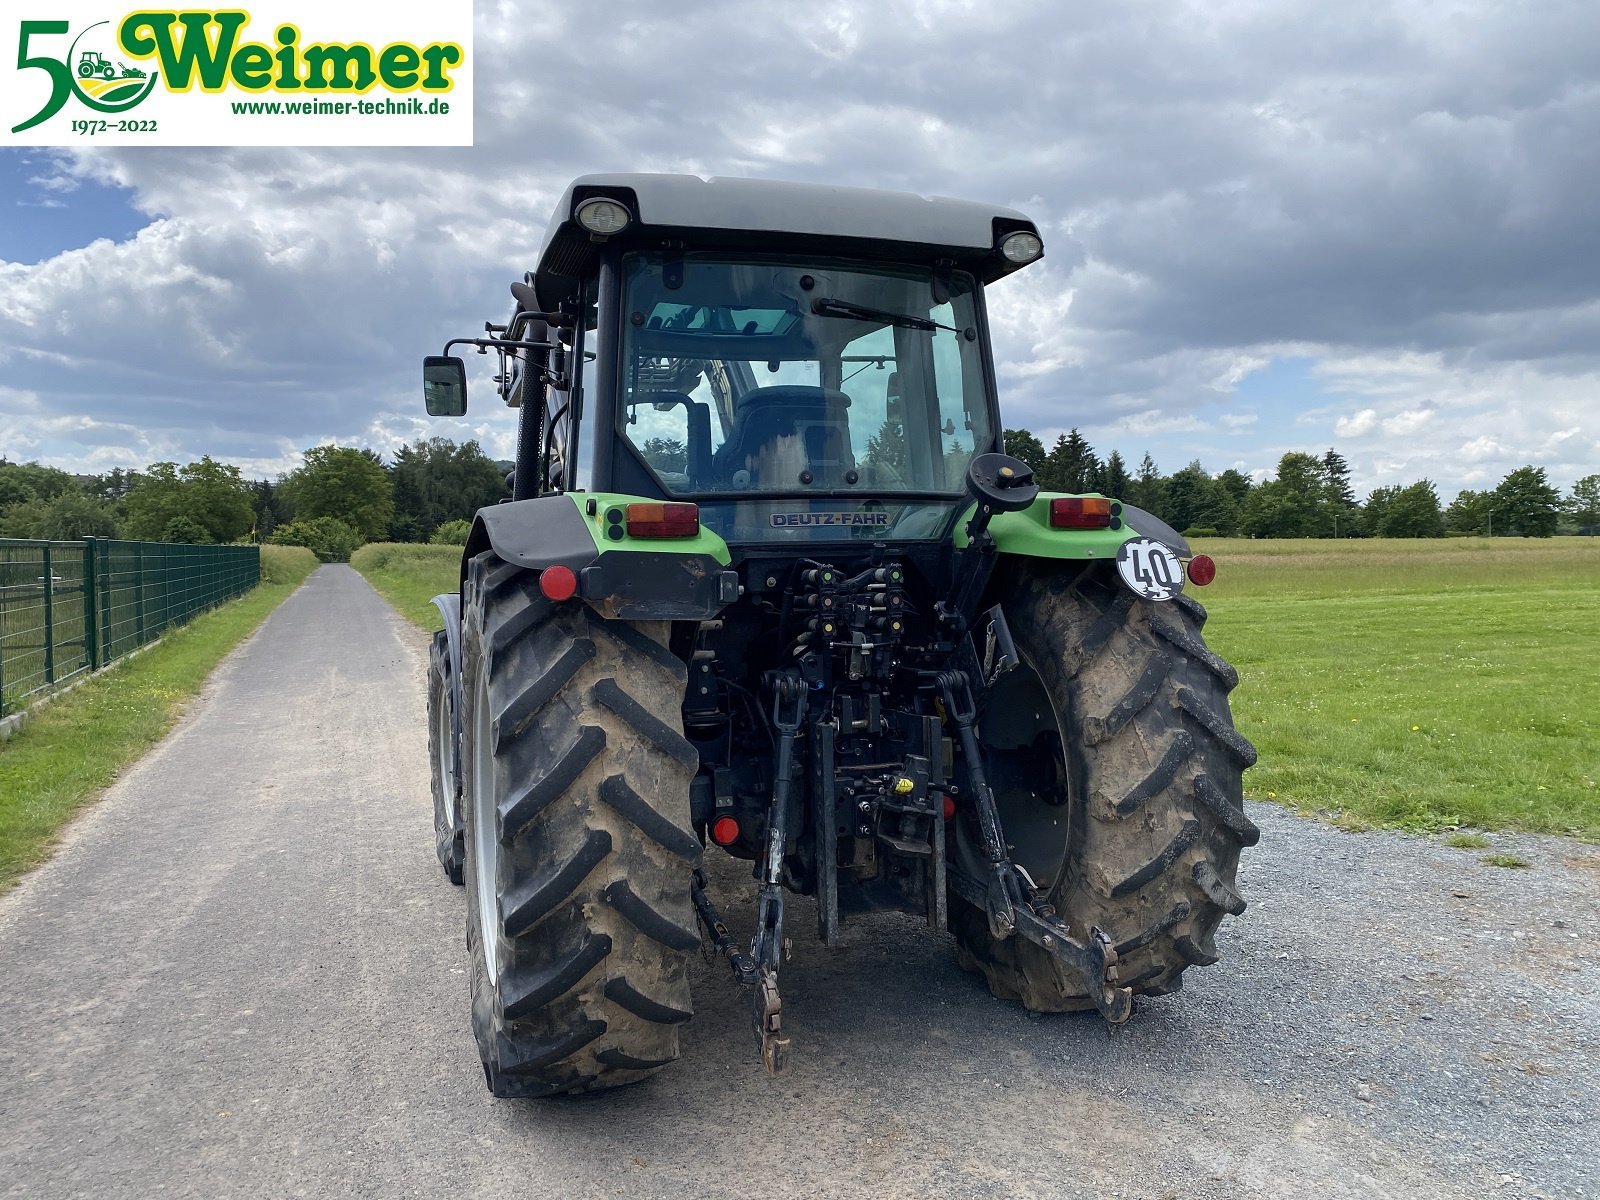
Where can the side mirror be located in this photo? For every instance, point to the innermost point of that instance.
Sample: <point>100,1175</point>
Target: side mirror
<point>444,385</point>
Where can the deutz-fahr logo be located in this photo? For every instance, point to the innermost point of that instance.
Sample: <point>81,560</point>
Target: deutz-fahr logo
<point>110,67</point>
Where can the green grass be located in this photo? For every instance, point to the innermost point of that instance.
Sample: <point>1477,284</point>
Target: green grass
<point>1466,841</point>
<point>1418,685</point>
<point>1421,685</point>
<point>408,576</point>
<point>78,743</point>
<point>1506,860</point>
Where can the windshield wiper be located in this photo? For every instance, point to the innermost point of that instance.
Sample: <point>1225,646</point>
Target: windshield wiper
<point>831,306</point>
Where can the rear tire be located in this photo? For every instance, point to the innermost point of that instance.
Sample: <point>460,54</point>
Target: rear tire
<point>1136,828</point>
<point>447,833</point>
<point>579,848</point>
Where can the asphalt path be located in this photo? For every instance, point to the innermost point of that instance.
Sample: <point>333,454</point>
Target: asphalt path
<point>244,975</point>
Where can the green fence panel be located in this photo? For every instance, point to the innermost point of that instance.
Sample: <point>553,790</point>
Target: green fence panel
<point>71,607</point>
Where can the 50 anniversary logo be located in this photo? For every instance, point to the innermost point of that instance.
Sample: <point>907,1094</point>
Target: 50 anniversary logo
<point>217,81</point>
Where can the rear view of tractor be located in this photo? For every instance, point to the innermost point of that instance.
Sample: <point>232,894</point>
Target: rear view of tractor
<point>766,586</point>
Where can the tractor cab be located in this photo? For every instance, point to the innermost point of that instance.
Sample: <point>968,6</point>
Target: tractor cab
<point>802,363</point>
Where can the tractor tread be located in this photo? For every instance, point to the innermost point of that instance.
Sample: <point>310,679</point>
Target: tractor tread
<point>518,814</point>
<point>623,994</point>
<point>1218,728</point>
<point>545,892</point>
<point>614,790</point>
<point>559,979</point>
<point>648,921</point>
<point>1161,776</point>
<point>645,723</point>
<point>1161,863</point>
<point>1133,702</point>
<point>1179,914</point>
<point>1243,829</point>
<point>1217,889</point>
<point>525,705</point>
<point>1186,643</point>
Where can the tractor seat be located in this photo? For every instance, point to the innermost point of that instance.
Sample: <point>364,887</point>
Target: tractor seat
<point>778,432</point>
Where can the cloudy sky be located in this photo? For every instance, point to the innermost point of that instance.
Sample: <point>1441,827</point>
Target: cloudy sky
<point>1270,225</point>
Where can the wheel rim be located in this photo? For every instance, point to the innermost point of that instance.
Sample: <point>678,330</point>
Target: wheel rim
<point>1038,829</point>
<point>485,838</point>
<point>444,739</point>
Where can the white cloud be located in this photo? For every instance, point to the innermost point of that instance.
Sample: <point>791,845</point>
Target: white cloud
<point>1358,425</point>
<point>1403,195</point>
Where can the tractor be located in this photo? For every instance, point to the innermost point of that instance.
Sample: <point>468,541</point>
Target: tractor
<point>767,585</point>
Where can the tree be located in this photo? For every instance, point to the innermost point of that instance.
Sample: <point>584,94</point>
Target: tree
<point>329,538</point>
<point>1293,505</point>
<point>1019,443</point>
<point>69,517</point>
<point>1197,501</point>
<point>1525,503</point>
<point>20,482</point>
<point>1148,490</point>
<point>1071,465</point>
<point>1584,504</point>
<point>271,508</point>
<point>1237,483</point>
<point>1468,512</point>
<point>1344,515</point>
<point>436,481</point>
<point>1408,512</point>
<point>346,484</point>
<point>1114,479</point>
<point>205,501</point>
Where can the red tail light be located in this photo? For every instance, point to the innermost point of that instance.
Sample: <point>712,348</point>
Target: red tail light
<point>1202,570</point>
<point>663,520</point>
<point>725,831</point>
<point>1080,512</point>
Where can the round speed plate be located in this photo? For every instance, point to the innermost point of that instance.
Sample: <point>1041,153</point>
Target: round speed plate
<point>1150,569</point>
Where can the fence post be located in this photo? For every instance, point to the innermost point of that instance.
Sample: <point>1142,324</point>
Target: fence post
<point>138,591</point>
<point>91,605</point>
<point>49,620</point>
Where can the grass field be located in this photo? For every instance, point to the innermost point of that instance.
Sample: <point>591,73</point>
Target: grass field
<point>77,744</point>
<point>1422,685</point>
<point>408,575</point>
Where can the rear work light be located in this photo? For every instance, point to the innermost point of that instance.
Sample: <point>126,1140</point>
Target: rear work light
<point>663,520</point>
<point>1080,512</point>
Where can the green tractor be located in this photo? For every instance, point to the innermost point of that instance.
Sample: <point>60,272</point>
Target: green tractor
<point>767,586</point>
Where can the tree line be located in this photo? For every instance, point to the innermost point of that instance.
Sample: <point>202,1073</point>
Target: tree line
<point>340,497</point>
<point>335,500</point>
<point>1310,496</point>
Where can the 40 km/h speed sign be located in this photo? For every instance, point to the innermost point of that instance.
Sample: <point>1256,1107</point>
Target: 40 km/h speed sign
<point>1150,569</point>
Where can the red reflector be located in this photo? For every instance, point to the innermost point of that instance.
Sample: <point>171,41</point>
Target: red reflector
<point>724,831</point>
<point>1080,512</point>
<point>663,520</point>
<point>949,808</point>
<point>558,582</point>
<point>1202,570</point>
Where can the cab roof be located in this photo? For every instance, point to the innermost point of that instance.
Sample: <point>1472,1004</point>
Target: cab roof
<point>689,212</point>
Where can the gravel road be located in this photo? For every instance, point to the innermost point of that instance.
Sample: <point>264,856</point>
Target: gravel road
<point>244,976</point>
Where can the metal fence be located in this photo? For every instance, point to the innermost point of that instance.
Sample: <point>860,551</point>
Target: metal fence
<point>71,607</point>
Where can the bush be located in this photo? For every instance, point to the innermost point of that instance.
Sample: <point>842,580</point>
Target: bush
<point>329,538</point>
<point>451,533</point>
<point>1201,531</point>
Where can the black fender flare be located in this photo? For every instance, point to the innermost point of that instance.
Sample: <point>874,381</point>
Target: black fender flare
<point>1151,526</point>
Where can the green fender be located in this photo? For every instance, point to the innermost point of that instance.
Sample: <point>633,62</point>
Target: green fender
<point>634,579</point>
<point>1027,533</point>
